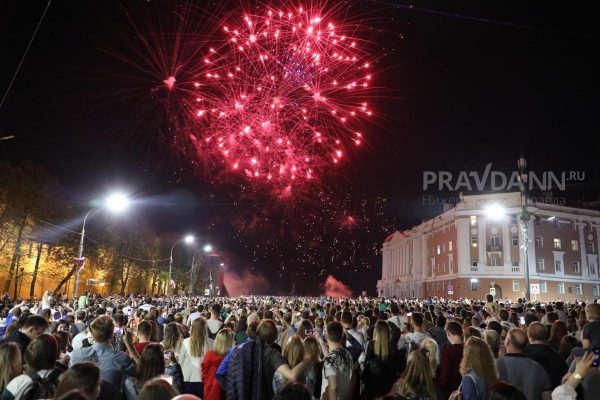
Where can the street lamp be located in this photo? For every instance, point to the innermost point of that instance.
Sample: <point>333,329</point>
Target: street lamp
<point>523,183</point>
<point>189,239</point>
<point>207,249</point>
<point>116,203</point>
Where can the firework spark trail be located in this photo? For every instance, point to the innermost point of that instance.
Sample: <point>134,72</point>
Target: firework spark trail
<point>280,95</point>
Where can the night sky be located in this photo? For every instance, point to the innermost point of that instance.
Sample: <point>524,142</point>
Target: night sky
<point>462,84</point>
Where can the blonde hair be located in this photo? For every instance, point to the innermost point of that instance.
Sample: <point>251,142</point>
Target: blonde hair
<point>381,340</point>
<point>294,351</point>
<point>11,363</point>
<point>417,380</point>
<point>477,356</point>
<point>312,350</point>
<point>592,312</point>
<point>223,341</point>
<point>431,351</point>
<point>198,337</point>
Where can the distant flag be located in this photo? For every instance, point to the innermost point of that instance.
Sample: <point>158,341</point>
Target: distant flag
<point>80,262</point>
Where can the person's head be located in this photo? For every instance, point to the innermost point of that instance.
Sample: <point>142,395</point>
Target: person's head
<point>477,356</point>
<point>558,331</point>
<point>471,331</point>
<point>42,352</point>
<point>215,310</point>
<point>252,330</point>
<point>84,376</point>
<point>454,332</point>
<point>431,351</point>
<point>144,331</point>
<point>157,389</point>
<point>536,332</point>
<point>80,316</point>
<point>492,338</point>
<point>11,363</point>
<point>103,329</point>
<point>592,311</point>
<point>312,350</point>
<point>417,319</point>
<point>198,337</point>
<point>417,378</point>
<point>567,344</point>
<point>505,391</point>
<point>489,298</point>
<point>293,352</point>
<point>503,314</point>
<point>381,339</point>
<point>171,336</point>
<point>516,340</point>
<point>346,319</point>
<point>34,326</point>
<point>305,325</point>
<point>267,331</point>
<point>151,365</point>
<point>293,391</point>
<point>64,341</point>
<point>440,321</point>
<point>223,341</point>
<point>335,332</point>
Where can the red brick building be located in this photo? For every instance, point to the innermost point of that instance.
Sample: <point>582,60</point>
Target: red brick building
<point>466,251</point>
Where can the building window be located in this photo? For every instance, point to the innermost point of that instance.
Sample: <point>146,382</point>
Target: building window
<point>596,290</point>
<point>578,288</point>
<point>473,220</point>
<point>515,240</point>
<point>576,267</point>
<point>450,265</point>
<point>574,245</point>
<point>473,284</point>
<point>537,220</point>
<point>474,263</point>
<point>540,264</point>
<point>539,241</point>
<point>561,288</point>
<point>570,289</point>
<point>494,241</point>
<point>555,223</point>
<point>592,268</point>
<point>558,265</point>
<point>513,219</point>
<point>439,249</point>
<point>516,286</point>
<point>494,261</point>
<point>557,244</point>
<point>591,248</point>
<point>473,241</point>
<point>450,246</point>
<point>515,262</point>
<point>544,287</point>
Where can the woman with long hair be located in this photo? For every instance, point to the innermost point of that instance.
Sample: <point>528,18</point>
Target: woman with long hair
<point>433,354</point>
<point>82,376</point>
<point>151,365</point>
<point>557,332</point>
<point>314,375</point>
<point>223,343</point>
<point>382,365</point>
<point>191,355</point>
<point>293,353</point>
<point>11,364</point>
<point>171,346</point>
<point>417,380</point>
<point>478,368</point>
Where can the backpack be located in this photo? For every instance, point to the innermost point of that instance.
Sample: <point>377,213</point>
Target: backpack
<point>355,347</point>
<point>42,388</point>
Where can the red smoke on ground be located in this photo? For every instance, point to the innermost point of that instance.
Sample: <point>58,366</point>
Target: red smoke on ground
<point>247,283</point>
<point>335,288</point>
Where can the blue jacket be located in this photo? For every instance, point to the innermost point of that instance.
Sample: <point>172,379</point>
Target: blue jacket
<point>473,387</point>
<point>244,372</point>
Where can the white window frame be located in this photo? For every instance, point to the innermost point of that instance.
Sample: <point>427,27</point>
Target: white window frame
<point>574,245</point>
<point>578,289</point>
<point>577,267</point>
<point>515,240</point>
<point>558,266</point>
<point>591,248</point>
<point>474,286</point>
<point>495,239</point>
<point>516,262</point>
<point>516,285</point>
<point>439,249</point>
<point>540,264</point>
<point>539,241</point>
<point>557,243</point>
<point>450,246</point>
<point>596,290</point>
<point>493,261</point>
<point>561,288</point>
<point>544,287</point>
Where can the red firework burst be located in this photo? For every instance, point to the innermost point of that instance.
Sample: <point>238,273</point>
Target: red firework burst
<point>280,95</point>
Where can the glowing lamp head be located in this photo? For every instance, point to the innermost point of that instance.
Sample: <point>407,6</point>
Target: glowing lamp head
<point>208,248</point>
<point>222,264</point>
<point>495,212</point>
<point>189,239</point>
<point>117,202</point>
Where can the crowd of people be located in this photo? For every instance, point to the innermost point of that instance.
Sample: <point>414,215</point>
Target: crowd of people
<point>255,348</point>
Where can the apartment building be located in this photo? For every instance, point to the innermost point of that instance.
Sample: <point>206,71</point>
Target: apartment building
<point>466,252</point>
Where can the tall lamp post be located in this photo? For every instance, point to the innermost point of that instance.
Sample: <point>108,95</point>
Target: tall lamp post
<point>189,239</point>
<point>207,248</point>
<point>523,180</point>
<point>117,202</point>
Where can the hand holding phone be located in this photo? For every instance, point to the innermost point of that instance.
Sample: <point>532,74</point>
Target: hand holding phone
<point>522,320</point>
